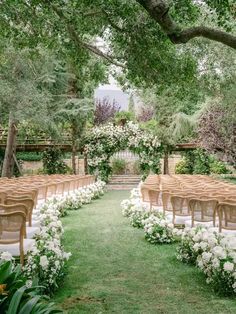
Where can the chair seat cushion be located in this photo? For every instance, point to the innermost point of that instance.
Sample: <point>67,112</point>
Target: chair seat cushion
<point>180,220</point>
<point>14,248</point>
<point>159,209</point>
<point>31,231</point>
<point>35,223</point>
<point>188,223</point>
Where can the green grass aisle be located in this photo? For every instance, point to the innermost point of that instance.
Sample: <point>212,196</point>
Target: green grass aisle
<point>114,270</point>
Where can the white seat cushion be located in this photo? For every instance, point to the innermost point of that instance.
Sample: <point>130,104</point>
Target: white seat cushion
<point>35,222</point>
<point>188,223</point>
<point>158,208</point>
<point>14,249</point>
<point>180,220</point>
<point>31,231</point>
<point>225,231</point>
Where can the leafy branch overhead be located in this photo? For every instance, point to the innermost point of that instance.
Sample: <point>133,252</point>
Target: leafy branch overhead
<point>159,11</point>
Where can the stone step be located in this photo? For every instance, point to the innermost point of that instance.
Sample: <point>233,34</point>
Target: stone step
<point>121,187</point>
<point>126,176</point>
<point>125,181</point>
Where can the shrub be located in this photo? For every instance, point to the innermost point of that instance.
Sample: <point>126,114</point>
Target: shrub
<point>158,229</point>
<point>218,167</point>
<point>29,156</point>
<point>182,167</point>
<point>136,167</point>
<point>122,117</point>
<point>199,162</point>
<point>105,110</point>
<point>53,163</point>
<point>213,253</point>
<point>118,166</point>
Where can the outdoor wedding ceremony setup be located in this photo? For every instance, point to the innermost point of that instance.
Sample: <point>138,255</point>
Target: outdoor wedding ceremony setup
<point>118,157</point>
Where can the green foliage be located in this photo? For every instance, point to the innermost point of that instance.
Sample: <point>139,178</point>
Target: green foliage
<point>104,141</point>
<point>124,116</point>
<point>16,297</point>
<point>29,156</point>
<point>200,162</point>
<point>182,167</point>
<point>53,163</point>
<point>118,166</point>
<point>218,167</point>
<point>136,167</point>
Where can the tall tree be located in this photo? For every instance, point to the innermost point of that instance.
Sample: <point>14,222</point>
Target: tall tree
<point>22,96</point>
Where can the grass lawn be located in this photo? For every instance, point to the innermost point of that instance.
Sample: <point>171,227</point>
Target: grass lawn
<point>114,270</point>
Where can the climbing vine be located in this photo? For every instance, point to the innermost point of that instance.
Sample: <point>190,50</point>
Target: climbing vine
<point>104,141</point>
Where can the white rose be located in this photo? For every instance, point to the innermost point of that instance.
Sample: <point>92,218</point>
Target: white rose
<point>6,256</point>
<point>44,262</point>
<point>228,266</point>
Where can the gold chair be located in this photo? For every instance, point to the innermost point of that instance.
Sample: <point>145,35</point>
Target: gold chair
<point>203,210</point>
<point>227,216</point>
<point>12,231</point>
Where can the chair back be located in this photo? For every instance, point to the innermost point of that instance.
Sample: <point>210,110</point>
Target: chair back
<point>27,202</point>
<point>203,210</point>
<point>153,197</point>
<point>12,227</point>
<point>227,216</point>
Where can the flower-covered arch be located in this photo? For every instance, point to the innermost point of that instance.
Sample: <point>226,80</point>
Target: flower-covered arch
<point>106,140</point>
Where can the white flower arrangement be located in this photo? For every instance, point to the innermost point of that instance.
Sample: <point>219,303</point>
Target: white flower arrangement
<point>103,141</point>
<point>214,254</point>
<point>159,230</point>
<point>74,200</point>
<point>47,259</point>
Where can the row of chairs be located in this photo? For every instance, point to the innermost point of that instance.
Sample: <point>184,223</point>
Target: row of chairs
<point>193,199</point>
<point>19,199</point>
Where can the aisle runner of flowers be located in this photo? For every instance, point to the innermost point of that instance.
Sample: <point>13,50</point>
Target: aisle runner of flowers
<point>213,253</point>
<point>46,261</point>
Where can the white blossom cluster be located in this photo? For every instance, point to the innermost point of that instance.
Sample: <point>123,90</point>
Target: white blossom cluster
<point>105,140</point>
<point>135,209</point>
<point>75,199</point>
<point>213,253</point>
<point>159,230</point>
<point>47,259</point>
<point>156,226</point>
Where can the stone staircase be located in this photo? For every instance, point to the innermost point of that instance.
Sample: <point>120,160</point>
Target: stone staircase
<point>123,182</point>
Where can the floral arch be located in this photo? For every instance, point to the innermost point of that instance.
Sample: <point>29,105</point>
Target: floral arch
<point>106,140</point>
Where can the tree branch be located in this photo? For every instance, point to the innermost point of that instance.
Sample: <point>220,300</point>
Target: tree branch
<point>159,11</point>
<point>75,37</point>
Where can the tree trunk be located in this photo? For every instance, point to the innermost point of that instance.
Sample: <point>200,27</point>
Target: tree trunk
<point>85,163</point>
<point>166,163</point>
<point>73,159</point>
<point>74,148</point>
<point>8,163</point>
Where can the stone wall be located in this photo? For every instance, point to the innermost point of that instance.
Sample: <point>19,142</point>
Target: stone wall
<point>32,167</point>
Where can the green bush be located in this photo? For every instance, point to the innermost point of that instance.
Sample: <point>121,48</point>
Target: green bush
<point>199,162</point>
<point>29,156</point>
<point>124,116</point>
<point>136,167</point>
<point>53,163</point>
<point>218,167</point>
<point>118,166</point>
<point>182,167</point>
<point>17,297</point>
